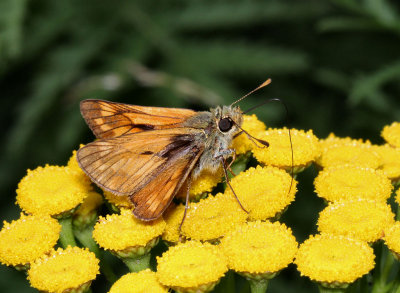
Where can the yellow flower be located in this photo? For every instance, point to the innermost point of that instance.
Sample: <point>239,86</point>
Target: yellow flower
<point>392,239</point>
<point>213,217</point>
<point>333,140</point>
<point>173,217</point>
<point>73,164</point>
<point>127,236</point>
<point>352,182</point>
<point>51,190</point>
<point>118,201</point>
<point>279,153</point>
<point>263,191</point>
<point>360,219</point>
<point>71,269</point>
<point>191,267</point>
<point>332,259</point>
<point>242,144</point>
<point>141,282</point>
<point>391,133</point>
<point>390,161</point>
<point>259,249</point>
<point>201,185</point>
<point>355,153</point>
<point>26,239</point>
<point>87,211</point>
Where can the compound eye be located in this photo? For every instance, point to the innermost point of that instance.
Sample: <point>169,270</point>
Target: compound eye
<point>225,124</point>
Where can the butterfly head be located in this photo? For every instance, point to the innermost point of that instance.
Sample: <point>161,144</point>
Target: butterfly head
<point>228,119</point>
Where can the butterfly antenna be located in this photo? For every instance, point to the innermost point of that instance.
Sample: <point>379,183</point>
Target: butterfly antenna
<point>265,83</point>
<point>288,125</point>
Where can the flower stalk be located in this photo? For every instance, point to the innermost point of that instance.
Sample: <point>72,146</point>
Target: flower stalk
<point>67,234</point>
<point>137,264</point>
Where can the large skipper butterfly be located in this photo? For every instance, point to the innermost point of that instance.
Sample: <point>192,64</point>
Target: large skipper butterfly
<point>150,153</point>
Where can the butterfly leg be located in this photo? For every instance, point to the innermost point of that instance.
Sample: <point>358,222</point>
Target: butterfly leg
<point>188,183</point>
<point>231,162</point>
<point>222,159</point>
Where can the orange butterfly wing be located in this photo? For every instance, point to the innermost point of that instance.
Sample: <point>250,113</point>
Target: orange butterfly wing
<point>149,166</point>
<point>109,119</point>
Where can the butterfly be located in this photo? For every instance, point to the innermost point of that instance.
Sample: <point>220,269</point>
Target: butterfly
<point>150,153</point>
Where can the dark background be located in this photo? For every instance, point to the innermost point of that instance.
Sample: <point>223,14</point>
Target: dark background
<point>336,64</point>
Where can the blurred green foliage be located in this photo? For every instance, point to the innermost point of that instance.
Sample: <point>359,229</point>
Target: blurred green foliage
<point>335,63</point>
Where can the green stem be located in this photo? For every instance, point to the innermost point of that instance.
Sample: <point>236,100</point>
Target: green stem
<point>66,234</point>
<point>138,264</point>
<point>323,289</point>
<point>385,262</point>
<point>258,286</point>
<point>85,238</point>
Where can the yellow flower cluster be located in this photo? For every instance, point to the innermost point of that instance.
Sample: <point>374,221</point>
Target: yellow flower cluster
<point>352,182</point>
<point>121,233</point>
<point>221,212</point>
<point>269,185</point>
<point>233,229</point>
<point>26,239</point>
<point>259,249</point>
<point>391,133</point>
<point>356,153</point>
<point>70,269</point>
<point>361,219</point>
<point>51,190</point>
<point>356,181</point>
<point>390,161</point>
<point>392,239</point>
<point>332,259</point>
<point>191,266</point>
<point>143,281</point>
<point>305,148</point>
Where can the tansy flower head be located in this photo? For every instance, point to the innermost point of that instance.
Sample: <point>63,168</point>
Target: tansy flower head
<point>355,153</point>
<point>242,144</point>
<point>360,219</point>
<point>351,182</point>
<point>191,267</point>
<point>390,161</point>
<point>87,211</point>
<point>125,234</point>
<point>143,281</point>
<point>202,185</point>
<point>333,140</point>
<point>263,191</point>
<point>259,249</point>
<point>71,269</point>
<point>213,217</point>
<point>392,239</point>
<point>118,201</point>
<point>73,164</point>
<point>391,133</point>
<point>279,153</point>
<point>173,218</point>
<point>26,239</point>
<point>51,190</point>
<point>334,260</point>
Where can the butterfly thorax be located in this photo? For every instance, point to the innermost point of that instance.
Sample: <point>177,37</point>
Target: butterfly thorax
<point>217,135</point>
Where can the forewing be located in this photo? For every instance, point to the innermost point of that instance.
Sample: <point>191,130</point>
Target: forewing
<point>109,119</point>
